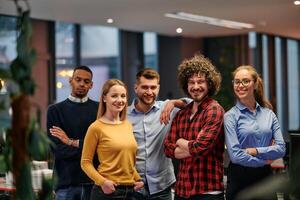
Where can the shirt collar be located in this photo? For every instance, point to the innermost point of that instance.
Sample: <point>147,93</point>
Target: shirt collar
<point>241,107</point>
<point>132,107</point>
<point>78,100</point>
<point>206,101</point>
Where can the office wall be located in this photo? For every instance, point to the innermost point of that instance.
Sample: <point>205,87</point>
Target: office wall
<point>40,70</point>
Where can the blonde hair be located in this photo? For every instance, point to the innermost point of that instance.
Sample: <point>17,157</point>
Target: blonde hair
<point>105,89</point>
<point>259,91</point>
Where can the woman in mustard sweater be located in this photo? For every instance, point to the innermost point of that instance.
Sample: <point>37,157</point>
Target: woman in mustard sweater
<point>111,137</point>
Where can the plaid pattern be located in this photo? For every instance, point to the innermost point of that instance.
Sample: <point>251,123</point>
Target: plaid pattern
<point>203,172</point>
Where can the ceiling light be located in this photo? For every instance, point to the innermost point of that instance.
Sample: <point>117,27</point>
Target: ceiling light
<point>209,20</point>
<point>297,3</point>
<point>110,21</point>
<point>179,30</point>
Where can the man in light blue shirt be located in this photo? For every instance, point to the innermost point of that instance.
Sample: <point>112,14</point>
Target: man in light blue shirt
<point>150,125</point>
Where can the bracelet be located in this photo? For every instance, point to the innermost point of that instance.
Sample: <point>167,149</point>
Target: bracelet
<point>70,141</point>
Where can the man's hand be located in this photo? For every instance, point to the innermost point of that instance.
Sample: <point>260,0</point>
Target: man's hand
<point>182,149</point>
<point>165,114</point>
<point>60,134</point>
<point>138,185</point>
<point>108,187</point>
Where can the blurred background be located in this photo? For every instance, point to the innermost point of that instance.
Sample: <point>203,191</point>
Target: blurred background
<point>116,38</point>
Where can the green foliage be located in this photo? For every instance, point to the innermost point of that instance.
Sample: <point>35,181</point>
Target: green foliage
<point>6,155</point>
<point>24,191</point>
<point>21,83</point>
<point>47,192</point>
<point>4,74</point>
<point>22,65</point>
<point>38,142</point>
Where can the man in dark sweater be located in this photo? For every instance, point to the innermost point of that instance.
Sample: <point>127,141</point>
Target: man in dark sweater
<point>67,123</point>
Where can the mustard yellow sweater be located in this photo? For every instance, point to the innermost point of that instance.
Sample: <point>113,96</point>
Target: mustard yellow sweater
<point>116,149</point>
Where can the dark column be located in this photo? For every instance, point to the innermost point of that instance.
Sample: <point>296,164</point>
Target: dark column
<point>132,58</point>
<point>169,57</point>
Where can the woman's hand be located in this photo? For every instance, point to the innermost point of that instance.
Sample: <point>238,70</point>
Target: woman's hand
<point>251,151</point>
<point>108,187</point>
<point>138,185</point>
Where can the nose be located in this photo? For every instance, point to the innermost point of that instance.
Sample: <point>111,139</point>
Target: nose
<point>149,91</point>
<point>196,86</point>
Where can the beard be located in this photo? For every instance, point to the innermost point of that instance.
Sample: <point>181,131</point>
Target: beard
<point>145,100</point>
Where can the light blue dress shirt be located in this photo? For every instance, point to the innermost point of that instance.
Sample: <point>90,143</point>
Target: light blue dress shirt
<point>152,164</point>
<point>247,129</point>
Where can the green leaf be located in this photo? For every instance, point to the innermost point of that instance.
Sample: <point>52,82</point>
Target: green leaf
<point>24,186</point>
<point>38,143</point>
<point>47,189</point>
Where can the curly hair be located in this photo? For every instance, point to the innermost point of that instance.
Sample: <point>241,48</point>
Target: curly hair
<point>199,65</point>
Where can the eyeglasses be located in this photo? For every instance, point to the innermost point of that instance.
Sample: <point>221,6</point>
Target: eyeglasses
<point>244,82</point>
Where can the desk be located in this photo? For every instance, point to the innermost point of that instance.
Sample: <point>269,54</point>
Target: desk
<point>5,187</point>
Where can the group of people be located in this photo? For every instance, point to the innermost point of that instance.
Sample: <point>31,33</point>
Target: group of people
<point>116,151</point>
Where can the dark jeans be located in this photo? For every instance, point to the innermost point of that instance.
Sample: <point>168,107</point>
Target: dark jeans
<point>145,195</point>
<point>240,177</point>
<point>122,193</point>
<point>202,197</point>
<point>81,192</point>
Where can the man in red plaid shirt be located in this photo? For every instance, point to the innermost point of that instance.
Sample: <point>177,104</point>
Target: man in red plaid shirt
<point>196,137</point>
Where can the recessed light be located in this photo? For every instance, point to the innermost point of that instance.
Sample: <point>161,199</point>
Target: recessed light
<point>179,30</point>
<point>209,20</point>
<point>297,3</point>
<point>110,21</point>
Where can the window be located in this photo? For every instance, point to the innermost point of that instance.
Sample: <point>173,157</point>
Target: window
<point>279,83</point>
<point>293,84</point>
<point>8,36</point>
<point>100,52</point>
<point>150,50</point>
<point>65,58</point>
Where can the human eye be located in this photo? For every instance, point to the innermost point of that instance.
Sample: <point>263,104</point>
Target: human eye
<point>236,81</point>
<point>87,81</point>
<point>153,87</point>
<point>144,87</point>
<point>245,81</point>
<point>191,82</point>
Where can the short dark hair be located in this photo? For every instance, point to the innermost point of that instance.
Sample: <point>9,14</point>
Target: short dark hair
<point>147,73</point>
<point>199,65</point>
<point>85,68</point>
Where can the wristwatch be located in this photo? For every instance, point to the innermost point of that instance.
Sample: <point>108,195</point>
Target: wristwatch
<point>70,141</point>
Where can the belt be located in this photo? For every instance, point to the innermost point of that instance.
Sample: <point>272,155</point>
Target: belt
<point>124,186</point>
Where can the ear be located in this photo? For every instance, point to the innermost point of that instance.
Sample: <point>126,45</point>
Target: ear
<point>70,79</point>
<point>91,85</point>
<point>104,98</point>
<point>135,87</point>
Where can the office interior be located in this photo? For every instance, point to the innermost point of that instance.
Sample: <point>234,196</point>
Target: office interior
<point>69,34</point>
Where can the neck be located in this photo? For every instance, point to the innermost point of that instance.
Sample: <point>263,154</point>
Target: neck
<point>195,107</point>
<point>112,118</point>
<point>249,103</point>
<point>142,107</point>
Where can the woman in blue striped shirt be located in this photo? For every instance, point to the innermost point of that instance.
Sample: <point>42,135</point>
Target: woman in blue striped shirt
<point>252,133</point>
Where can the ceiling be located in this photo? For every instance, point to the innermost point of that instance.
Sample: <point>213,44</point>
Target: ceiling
<point>278,17</point>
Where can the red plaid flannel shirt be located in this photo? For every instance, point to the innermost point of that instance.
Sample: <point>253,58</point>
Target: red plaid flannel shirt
<point>203,171</point>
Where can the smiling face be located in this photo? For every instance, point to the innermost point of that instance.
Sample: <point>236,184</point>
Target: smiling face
<point>244,85</point>
<point>197,87</point>
<point>115,99</point>
<point>147,90</point>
